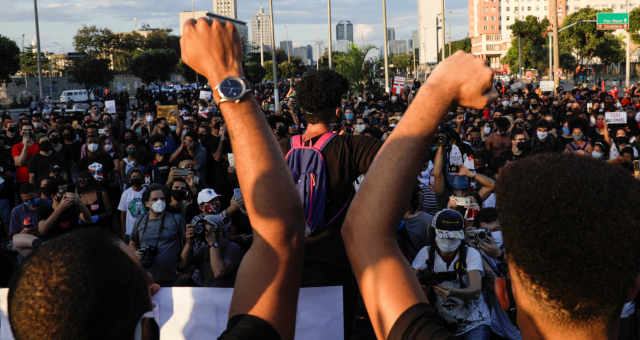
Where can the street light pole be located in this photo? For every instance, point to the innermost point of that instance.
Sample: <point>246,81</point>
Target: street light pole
<point>35,6</point>
<point>260,28</point>
<point>519,58</point>
<point>550,57</point>
<point>276,95</point>
<point>628,61</point>
<point>330,38</point>
<point>556,51</point>
<point>386,46</point>
<point>444,41</point>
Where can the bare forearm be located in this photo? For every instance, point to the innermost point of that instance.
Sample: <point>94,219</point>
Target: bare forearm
<point>44,226</point>
<point>185,255</point>
<point>216,262</point>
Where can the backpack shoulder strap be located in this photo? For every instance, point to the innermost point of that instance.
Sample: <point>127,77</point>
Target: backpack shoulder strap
<point>296,141</point>
<point>431,259</point>
<point>323,141</point>
<point>461,265</point>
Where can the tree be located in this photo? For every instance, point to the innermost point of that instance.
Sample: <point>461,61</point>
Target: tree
<point>94,41</point>
<point>29,61</point>
<point>91,72</point>
<point>187,72</point>
<point>10,56</point>
<point>587,42</point>
<point>353,67</point>
<point>254,71</point>
<point>533,41</point>
<point>634,24</point>
<point>401,61</point>
<point>153,65</point>
<point>458,45</point>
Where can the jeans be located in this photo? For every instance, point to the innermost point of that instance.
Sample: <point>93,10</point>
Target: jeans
<point>479,333</point>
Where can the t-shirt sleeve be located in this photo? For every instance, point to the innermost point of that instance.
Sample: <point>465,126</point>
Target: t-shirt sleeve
<point>15,150</point>
<point>419,322</point>
<point>122,206</point>
<point>365,149</point>
<point>420,261</point>
<point>474,260</point>
<point>248,327</point>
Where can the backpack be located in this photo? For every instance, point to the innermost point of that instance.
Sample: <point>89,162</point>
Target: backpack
<point>309,172</point>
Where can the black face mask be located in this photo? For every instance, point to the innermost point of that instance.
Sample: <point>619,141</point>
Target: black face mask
<point>45,146</point>
<point>179,195</point>
<point>67,136</point>
<point>54,140</point>
<point>13,129</point>
<point>138,181</point>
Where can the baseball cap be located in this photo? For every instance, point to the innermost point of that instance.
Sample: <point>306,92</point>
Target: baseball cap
<point>448,220</point>
<point>206,195</point>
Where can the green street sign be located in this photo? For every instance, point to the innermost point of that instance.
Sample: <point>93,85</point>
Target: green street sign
<point>613,21</point>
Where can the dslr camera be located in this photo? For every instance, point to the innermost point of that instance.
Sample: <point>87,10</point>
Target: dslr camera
<point>474,236</point>
<point>147,254</point>
<point>430,278</point>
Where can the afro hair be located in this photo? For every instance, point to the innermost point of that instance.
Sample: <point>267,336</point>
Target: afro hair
<point>319,93</point>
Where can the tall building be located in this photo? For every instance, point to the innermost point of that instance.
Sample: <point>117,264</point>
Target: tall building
<point>318,50</point>
<point>344,30</point>
<point>287,46</point>
<point>511,10</point>
<point>413,43</point>
<point>428,32</point>
<point>261,29</point>
<point>399,47</point>
<point>226,8</point>
<point>305,54</point>
<point>391,33</point>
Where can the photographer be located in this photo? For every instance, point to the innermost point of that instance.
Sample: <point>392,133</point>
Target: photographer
<point>209,250</point>
<point>66,214</point>
<point>157,237</point>
<point>452,273</point>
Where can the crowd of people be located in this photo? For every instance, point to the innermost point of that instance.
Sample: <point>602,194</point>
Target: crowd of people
<point>505,173</point>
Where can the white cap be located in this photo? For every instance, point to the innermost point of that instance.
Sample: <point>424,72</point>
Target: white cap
<point>206,195</point>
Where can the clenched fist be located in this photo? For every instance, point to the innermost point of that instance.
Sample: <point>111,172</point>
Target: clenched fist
<point>212,49</point>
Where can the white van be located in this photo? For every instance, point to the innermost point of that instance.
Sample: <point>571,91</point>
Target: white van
<point>75,96</point>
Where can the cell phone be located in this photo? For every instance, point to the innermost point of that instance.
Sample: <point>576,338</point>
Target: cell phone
<point>180,172</point>
<point>101,131</point>
<point>232,160</point>
<point>636,166</point>
<point>454,169</point>
<point>463,201</point>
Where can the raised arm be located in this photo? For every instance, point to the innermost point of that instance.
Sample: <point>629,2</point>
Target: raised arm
<point>269,276</point>
<point>387,283</point>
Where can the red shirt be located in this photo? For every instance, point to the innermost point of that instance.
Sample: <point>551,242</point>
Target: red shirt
<point>22,172</point>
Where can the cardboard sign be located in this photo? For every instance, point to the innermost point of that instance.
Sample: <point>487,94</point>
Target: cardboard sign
<point>398,85</point>
<point>167,112</point>
<point>205,95</point>
<point>547,85</point>
<point>185,313</point>
<point>111,106</point>
<point>616,117</point>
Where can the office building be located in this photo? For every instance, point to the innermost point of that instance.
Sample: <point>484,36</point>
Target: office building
<point>399,47</point>
<point>226,8</point>
<point>261,30</point>
<point>391,33</point>
<point>344,30</point>
<point>287,46</point>
<point>429,34</point>
<point>305,53</point>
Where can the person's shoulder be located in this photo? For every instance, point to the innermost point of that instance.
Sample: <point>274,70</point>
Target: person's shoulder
<point>419,262</point>
<point>420,321</point>
<point>17,147</point>
<point>244,327</point>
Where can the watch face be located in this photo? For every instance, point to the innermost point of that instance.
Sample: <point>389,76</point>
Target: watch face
<point>231,88</point>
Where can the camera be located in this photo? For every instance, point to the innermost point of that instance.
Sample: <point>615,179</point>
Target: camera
<point>199,228</point>
<point>147,254</point>
<point>430,278</point>
<point>474,236</point>
<point>441,138</point>
<point>454,169</point>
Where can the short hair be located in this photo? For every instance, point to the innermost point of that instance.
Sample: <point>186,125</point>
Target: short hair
<point>319,93</point>
<point>571,229</point>
<point>80,285</point>
<point>153,187</point>
<point>27,188</point>
<point>543,123</point>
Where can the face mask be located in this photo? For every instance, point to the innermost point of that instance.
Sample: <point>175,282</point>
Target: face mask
<point>138,181</point>
<point>621,140</point>
<point>577,137</point>
<point>600,124</point>
<point>348,116</point>
<point>131,152</point>
<point>92,147</point>
<point>597,154</point>
<point>542,135</point>
<point>32,202</point>
<point>149,119</point>
<point>565,130</point>
<point>173,128</point>
<point>447,245</point>
<point>487,130</point>
<point>55,140</point>
<point>45,146</point>
<point>360,127</point>
<point>179,195</point>
<point>476,142</point>
<point>159,150</point>
<point>497,238</point>
<point>158,206</point>
<point>108,147</point>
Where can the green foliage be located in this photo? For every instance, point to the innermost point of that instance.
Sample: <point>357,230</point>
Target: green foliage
<point>534,44</point>
<point>634,25</point>
<point>458,45</point>
<point>154,65</point>
<point>10,56</point>
<point>352,66</point>
<point>29,61</point>
<point>401,61</point>
<point>94,41</point>
<point>587,42</point>
<point>187,72</point>
<point>268,67</point>
<point>254,71</point>
<point>91,72</point>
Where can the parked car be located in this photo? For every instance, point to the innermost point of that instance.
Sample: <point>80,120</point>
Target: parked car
<point>78,95</point>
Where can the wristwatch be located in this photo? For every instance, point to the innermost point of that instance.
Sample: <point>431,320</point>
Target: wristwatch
<point>214,245</point>
<point>232,89</point>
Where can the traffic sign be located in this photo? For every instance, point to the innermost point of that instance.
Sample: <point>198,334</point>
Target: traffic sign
<point>613,21</point>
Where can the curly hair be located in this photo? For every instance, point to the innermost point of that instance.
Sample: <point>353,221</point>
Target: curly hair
<point>319,93</point>
<point>570,224</point>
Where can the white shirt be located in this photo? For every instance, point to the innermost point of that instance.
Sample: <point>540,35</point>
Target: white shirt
<point>131,202</point>
<point>454,310</point>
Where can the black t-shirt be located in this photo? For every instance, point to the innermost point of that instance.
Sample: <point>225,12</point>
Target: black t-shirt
<point>420,322</point>
<point>67,221</point>
<point>101,158</point>
<point>248,327</point>
<point>40,165</point>
<point>218,169</point>
<point>346,158</point>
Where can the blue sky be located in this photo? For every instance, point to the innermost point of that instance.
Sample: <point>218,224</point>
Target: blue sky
<point>304,21</point>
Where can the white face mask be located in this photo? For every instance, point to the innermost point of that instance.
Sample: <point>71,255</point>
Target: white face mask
<point>108,147</point>
<point>448,245</point>
<point>542,135</point>
<point>149,119</point>
<point>597,154</point>
<point>497,238</point>
<point>158,206</point>
<point>92,147</point>
<point>487,130</point>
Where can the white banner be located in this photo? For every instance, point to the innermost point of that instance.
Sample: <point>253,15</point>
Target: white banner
<point>205,95</point>
<point>187,313</point>
<point>547,85</point>
<point>616,117</point>
<point>110,105</point>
